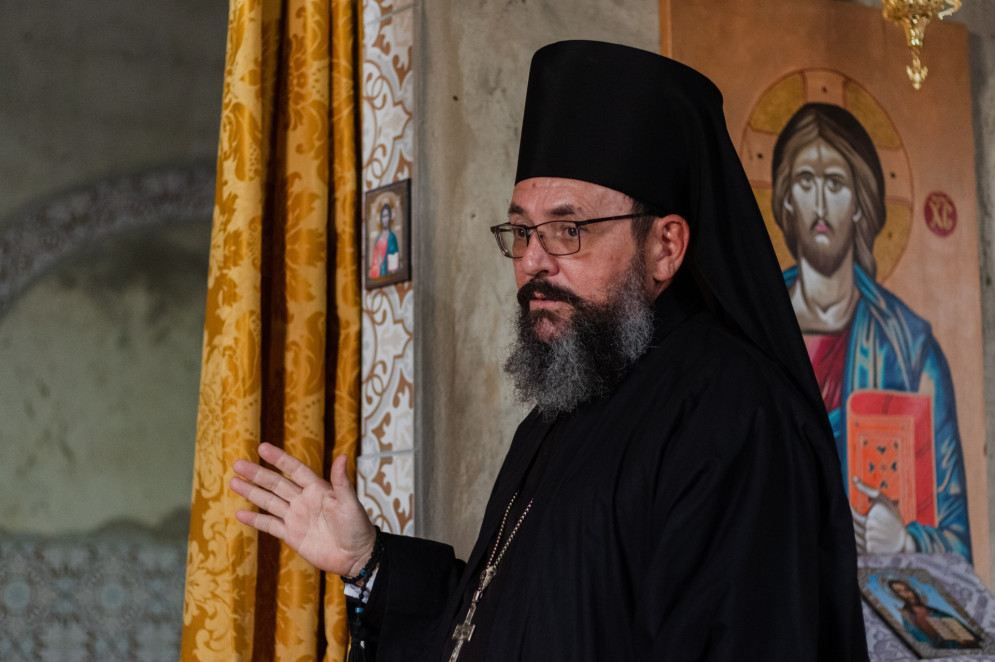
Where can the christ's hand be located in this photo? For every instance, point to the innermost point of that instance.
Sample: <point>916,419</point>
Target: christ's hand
<point>324,522</point>
<point>881,530</point>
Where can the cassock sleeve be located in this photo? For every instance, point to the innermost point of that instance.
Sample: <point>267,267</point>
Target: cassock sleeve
<point>410,596</point>
<point>742,540</point>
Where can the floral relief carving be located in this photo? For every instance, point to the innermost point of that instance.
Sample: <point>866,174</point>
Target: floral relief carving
<point>386,466</point>
<point>386,490</point>
<point>404,388</point>
<point>388,98</point>
<point>35,242</point>
<point>375,10</point>
<point>388,366</point>
<point>379,431</point>
<point>393,41</point>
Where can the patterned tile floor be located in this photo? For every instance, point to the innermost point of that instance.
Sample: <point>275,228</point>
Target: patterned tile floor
<point>81,600</point>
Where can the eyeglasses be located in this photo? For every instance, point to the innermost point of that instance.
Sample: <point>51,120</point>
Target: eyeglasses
<point>556,237</point>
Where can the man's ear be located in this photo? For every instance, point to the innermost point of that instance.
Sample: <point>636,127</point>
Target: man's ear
<point>665,248</point>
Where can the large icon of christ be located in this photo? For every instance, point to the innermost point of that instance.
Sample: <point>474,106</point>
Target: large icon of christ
<point>884,378</point>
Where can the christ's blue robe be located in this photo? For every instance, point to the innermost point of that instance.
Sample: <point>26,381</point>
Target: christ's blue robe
<point>892,348</point>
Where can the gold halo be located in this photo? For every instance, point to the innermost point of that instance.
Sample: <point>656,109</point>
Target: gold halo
<point>768,118</point>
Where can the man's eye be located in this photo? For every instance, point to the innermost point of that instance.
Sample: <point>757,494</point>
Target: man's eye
<point>571,231</point>
<point>519,232</point>
<point>804,180</point>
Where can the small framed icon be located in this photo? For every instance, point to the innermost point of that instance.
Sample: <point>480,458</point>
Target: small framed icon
<point>387,233</point>
<point>922,613</point>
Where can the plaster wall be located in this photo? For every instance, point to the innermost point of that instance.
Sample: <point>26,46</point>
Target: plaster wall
<point>91,88</point>
<point>100,356</point>
<point>102,288</point>
<point>99,368</point>
<point>475,58</point>
<point>980,20</point>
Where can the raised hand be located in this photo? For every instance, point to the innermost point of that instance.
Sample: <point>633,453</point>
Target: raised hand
<point>881,530</point>
<point>323,521</point>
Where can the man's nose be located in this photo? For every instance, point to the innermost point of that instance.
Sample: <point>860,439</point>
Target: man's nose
<point>536,260</point>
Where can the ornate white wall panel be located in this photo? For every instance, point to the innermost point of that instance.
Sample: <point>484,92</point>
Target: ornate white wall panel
<point>386,463</point>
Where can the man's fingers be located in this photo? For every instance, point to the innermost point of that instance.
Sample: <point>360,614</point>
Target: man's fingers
<point>288,464</point>
<point>261,521</point>
<point>280,485</point>
<point>259,496</point>
<point>869,491</point>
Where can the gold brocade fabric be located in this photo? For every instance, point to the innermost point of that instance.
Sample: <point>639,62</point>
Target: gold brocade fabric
<point>283,305</point>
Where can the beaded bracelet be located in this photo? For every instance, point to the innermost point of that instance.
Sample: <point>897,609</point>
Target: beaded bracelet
<point>371,565</point>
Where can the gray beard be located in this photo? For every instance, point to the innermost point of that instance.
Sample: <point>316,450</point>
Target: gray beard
<point>590,357</point>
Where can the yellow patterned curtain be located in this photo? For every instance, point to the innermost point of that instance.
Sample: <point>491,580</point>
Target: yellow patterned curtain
<point>282,323</point>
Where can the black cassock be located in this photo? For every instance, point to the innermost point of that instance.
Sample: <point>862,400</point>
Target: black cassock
<point>696,513</point>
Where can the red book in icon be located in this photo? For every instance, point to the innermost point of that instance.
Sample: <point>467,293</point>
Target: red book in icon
<point>890,447</point>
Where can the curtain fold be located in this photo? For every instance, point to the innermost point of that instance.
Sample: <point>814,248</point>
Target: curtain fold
<point>280,359</point>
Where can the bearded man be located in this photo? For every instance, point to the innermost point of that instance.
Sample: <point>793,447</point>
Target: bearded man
<point>828,199</point>
<point>677,469</point>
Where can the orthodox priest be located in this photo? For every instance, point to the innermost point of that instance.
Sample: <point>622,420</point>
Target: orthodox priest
<point>675,494</point>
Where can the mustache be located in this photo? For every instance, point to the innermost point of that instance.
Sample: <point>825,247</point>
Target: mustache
<point>821,219</point>
<point>548,291</point>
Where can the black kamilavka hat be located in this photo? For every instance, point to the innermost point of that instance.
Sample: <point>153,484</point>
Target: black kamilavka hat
<point>653,128</point>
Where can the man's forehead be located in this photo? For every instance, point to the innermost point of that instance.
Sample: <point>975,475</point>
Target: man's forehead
<point>557,197</point>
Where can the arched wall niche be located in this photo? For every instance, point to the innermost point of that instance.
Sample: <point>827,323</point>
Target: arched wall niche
<point>102,292</point>
<point>32,242</point>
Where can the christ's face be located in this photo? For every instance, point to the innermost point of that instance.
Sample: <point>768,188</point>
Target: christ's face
<point>593,274</point>
<point>385,213</point>
<point>904,593</point>
<point>825,207</point>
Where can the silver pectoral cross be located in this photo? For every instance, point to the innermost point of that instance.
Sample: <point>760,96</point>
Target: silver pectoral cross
<point>462,634</point>
<point>464,631</point>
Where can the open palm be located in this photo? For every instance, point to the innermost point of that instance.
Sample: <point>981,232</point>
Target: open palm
<point>323,521</point>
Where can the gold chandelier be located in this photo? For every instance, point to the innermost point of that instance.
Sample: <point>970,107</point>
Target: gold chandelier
<point>914,16</point>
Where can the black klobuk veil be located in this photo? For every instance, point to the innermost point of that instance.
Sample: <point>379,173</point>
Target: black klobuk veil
<point>653,128</point>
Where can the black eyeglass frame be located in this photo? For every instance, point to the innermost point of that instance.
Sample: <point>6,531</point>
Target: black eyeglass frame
<point>532,230</point>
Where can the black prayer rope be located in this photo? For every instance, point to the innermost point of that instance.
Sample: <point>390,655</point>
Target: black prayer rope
<point>362,645</point>
<point>371,565</point>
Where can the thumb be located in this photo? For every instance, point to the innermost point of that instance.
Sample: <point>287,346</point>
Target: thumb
<point>869,491</point>
<point>338,475</point>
